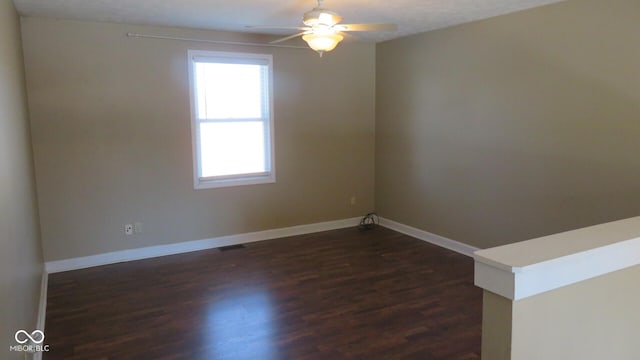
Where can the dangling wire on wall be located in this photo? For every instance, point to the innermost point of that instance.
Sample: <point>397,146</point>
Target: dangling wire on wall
<point>368,222</point>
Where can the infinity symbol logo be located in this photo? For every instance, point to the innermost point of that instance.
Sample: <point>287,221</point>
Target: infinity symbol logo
<point>37,336</point>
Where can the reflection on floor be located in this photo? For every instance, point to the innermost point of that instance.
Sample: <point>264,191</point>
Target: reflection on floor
<point>339,294</point>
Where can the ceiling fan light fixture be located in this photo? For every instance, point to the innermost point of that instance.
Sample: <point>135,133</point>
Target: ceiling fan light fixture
<point>323,31</point>
<point>322,42</point>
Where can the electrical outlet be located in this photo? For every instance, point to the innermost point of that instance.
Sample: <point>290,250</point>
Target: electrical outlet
<point>137,228</point>
<point>353,200</point>
<point>128,229</point>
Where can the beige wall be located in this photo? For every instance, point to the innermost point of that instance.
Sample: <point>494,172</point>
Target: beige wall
<point>112,142</point>
<point>20,252</point>
<point>497,326</point>
<point>513,127</point>
<point>591,320</point>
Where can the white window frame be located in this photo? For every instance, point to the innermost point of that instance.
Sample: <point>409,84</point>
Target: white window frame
<point>269,176</point>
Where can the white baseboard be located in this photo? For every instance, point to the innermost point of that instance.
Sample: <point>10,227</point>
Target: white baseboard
<point>189,246</point>
<point>434,239</point>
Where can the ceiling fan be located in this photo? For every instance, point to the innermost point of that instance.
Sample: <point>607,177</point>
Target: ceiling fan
<point>323,31</point>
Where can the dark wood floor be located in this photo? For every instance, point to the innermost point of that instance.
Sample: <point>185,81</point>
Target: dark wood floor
<point>340,294</point>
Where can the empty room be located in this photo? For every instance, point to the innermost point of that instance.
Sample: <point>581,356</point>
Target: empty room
<point>442,179</point>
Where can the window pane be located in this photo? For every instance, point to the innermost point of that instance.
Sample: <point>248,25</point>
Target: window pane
<point>229,91</point>
<point>231,148</point>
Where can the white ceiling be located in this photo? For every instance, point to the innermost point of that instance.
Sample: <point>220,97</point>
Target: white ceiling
<point>412,16</point>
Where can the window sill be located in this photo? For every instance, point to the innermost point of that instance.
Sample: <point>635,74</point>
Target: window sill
<point>213,183</point>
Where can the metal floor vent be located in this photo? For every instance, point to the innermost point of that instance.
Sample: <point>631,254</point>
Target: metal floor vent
<point>231,247</point>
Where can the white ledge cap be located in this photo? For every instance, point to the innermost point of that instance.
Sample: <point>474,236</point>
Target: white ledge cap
<point>531,267</point>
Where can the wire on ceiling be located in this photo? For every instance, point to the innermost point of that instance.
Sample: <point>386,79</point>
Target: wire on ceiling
<point>219,42</point>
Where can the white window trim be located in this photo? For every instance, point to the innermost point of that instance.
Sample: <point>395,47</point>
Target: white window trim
<point>231,180</point>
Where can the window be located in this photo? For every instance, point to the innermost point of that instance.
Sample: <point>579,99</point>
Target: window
<point>231,118</point>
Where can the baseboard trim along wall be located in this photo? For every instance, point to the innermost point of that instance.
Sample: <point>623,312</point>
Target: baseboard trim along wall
<point>189,246</point>
<point>434,239</point>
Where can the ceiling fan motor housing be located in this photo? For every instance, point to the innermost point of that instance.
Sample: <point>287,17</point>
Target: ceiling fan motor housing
<point>320,16</point>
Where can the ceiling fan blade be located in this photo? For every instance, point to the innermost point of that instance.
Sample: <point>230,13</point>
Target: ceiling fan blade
<point>288,37</point>
<point>346,35</point>
<point>267,27</point>
<point>366,27</point>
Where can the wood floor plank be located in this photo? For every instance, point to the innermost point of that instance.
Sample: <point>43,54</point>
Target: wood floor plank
<point>340,294</point>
